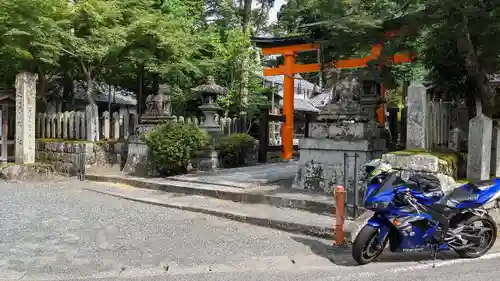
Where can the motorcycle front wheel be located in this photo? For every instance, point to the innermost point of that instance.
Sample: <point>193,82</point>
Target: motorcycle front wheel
<point>486,229</point>
<point>366,246</point>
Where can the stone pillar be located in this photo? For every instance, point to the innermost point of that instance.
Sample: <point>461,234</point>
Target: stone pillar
<point>105,125</point>
<point>125,115</point>
<point>65,125</point>
<point>479,155</point>
<point>495,150</point>
<point>59,122</point>
<point>115,133</point>
<point>416,103</point>
<point>25,117</point>
<point>92,122</point>
<point>71,125</point>
<point>43,121</point>
<point>77,125</point>
<point>83,132</point>
<point>455,139</point>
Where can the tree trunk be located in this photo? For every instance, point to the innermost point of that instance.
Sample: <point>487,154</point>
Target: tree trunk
<point>247,12</point>
<point>90,88</point>
<point>486,93</point>
<point>140,86</point>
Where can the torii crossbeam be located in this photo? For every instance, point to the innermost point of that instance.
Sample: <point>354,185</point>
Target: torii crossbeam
<point>289,47</point>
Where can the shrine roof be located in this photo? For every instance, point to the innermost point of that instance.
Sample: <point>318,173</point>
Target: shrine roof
<point>118,95</point>
<point>269,42</point>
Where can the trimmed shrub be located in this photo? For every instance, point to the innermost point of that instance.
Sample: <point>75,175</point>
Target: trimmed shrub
<point>235,148</point>
<point>172,146</point>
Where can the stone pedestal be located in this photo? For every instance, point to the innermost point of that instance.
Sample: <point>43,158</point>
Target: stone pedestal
<point>206,160</point>
<point>327,162</point>
<point>138,162</point>
<point>25,118</point>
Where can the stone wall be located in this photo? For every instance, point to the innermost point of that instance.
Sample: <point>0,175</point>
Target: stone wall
<point>66,156</point>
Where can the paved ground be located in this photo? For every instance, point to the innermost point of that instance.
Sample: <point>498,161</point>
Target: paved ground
<point>58,231</point>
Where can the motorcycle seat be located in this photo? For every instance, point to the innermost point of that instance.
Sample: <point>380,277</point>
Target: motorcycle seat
<point>459,195</point>
<point>482,185</point>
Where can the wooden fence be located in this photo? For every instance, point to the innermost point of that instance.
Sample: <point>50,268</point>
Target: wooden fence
<point>266,120</point>
<point>72,125</point>
<point>441,118</point>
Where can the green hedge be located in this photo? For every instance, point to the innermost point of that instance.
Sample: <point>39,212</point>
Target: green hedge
<point>234,149</point>
<point>172,146</point>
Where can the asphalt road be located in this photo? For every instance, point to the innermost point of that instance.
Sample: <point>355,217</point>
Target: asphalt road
<point>57,231</point>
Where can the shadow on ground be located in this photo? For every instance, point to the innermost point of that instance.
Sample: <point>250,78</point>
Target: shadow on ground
<point>343,256</point>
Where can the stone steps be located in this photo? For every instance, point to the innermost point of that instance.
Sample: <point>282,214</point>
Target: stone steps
<point>267,194</point>
<point>291,220</point>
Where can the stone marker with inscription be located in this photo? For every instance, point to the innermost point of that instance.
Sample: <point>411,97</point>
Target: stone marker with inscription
<point>25,118</point>
<point>479,150</point>
<point>416,103</point>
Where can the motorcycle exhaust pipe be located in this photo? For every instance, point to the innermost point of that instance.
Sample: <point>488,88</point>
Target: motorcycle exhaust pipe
<point>471,238</point>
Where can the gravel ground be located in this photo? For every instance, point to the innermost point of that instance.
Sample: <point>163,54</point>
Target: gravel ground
<point>57,231</point>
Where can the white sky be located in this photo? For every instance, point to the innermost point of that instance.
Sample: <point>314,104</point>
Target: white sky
<point>274,11</point>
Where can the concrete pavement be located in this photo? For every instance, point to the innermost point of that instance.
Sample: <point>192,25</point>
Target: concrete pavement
<point>58,231</point>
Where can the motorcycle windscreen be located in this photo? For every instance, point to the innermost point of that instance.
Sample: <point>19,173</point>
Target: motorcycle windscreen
<point>388,183</point>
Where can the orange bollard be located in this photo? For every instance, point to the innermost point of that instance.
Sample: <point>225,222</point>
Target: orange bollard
<point>339,215</point>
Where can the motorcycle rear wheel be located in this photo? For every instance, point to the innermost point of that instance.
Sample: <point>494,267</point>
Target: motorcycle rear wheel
<point>364,249</point>
<point>488,236</point>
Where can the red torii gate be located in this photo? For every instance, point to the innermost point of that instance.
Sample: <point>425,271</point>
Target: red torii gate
<point>289,47</point>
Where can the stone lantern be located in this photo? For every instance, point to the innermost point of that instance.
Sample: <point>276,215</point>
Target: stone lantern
<point>209,91</point>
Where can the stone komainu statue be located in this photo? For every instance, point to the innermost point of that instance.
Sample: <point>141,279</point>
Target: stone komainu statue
<point>159,104</point>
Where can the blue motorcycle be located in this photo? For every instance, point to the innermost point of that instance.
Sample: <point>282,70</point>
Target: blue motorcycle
<point>416,215</point>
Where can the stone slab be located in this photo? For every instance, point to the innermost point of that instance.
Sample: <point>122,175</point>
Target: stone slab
<point>244,177</point>
<point>426,163</point>
<point>296,221</point>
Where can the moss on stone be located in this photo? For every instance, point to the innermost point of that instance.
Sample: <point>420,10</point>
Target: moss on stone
<point>449,157</point>
<point>463,181</point>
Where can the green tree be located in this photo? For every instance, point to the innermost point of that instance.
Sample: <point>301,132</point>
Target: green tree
<point>456,40</point>
<point>30,38</point>
<point>97,38</point>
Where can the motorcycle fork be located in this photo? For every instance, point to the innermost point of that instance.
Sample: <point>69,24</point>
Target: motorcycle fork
<point>383,232</point>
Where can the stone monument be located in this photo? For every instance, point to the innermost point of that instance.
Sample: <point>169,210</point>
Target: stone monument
<point>416,103</point>
<point>480,138</point>
<point>25,117</point>
<point>158,110</point>
<point>344,136</point>
<point>208,158</point>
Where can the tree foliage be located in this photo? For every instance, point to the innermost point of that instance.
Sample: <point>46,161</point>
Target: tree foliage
<point>456,41</point>
<point>133,44</point>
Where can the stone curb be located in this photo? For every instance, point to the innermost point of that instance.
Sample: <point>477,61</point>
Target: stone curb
<point>246,197</point>
<point>312,230</point>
